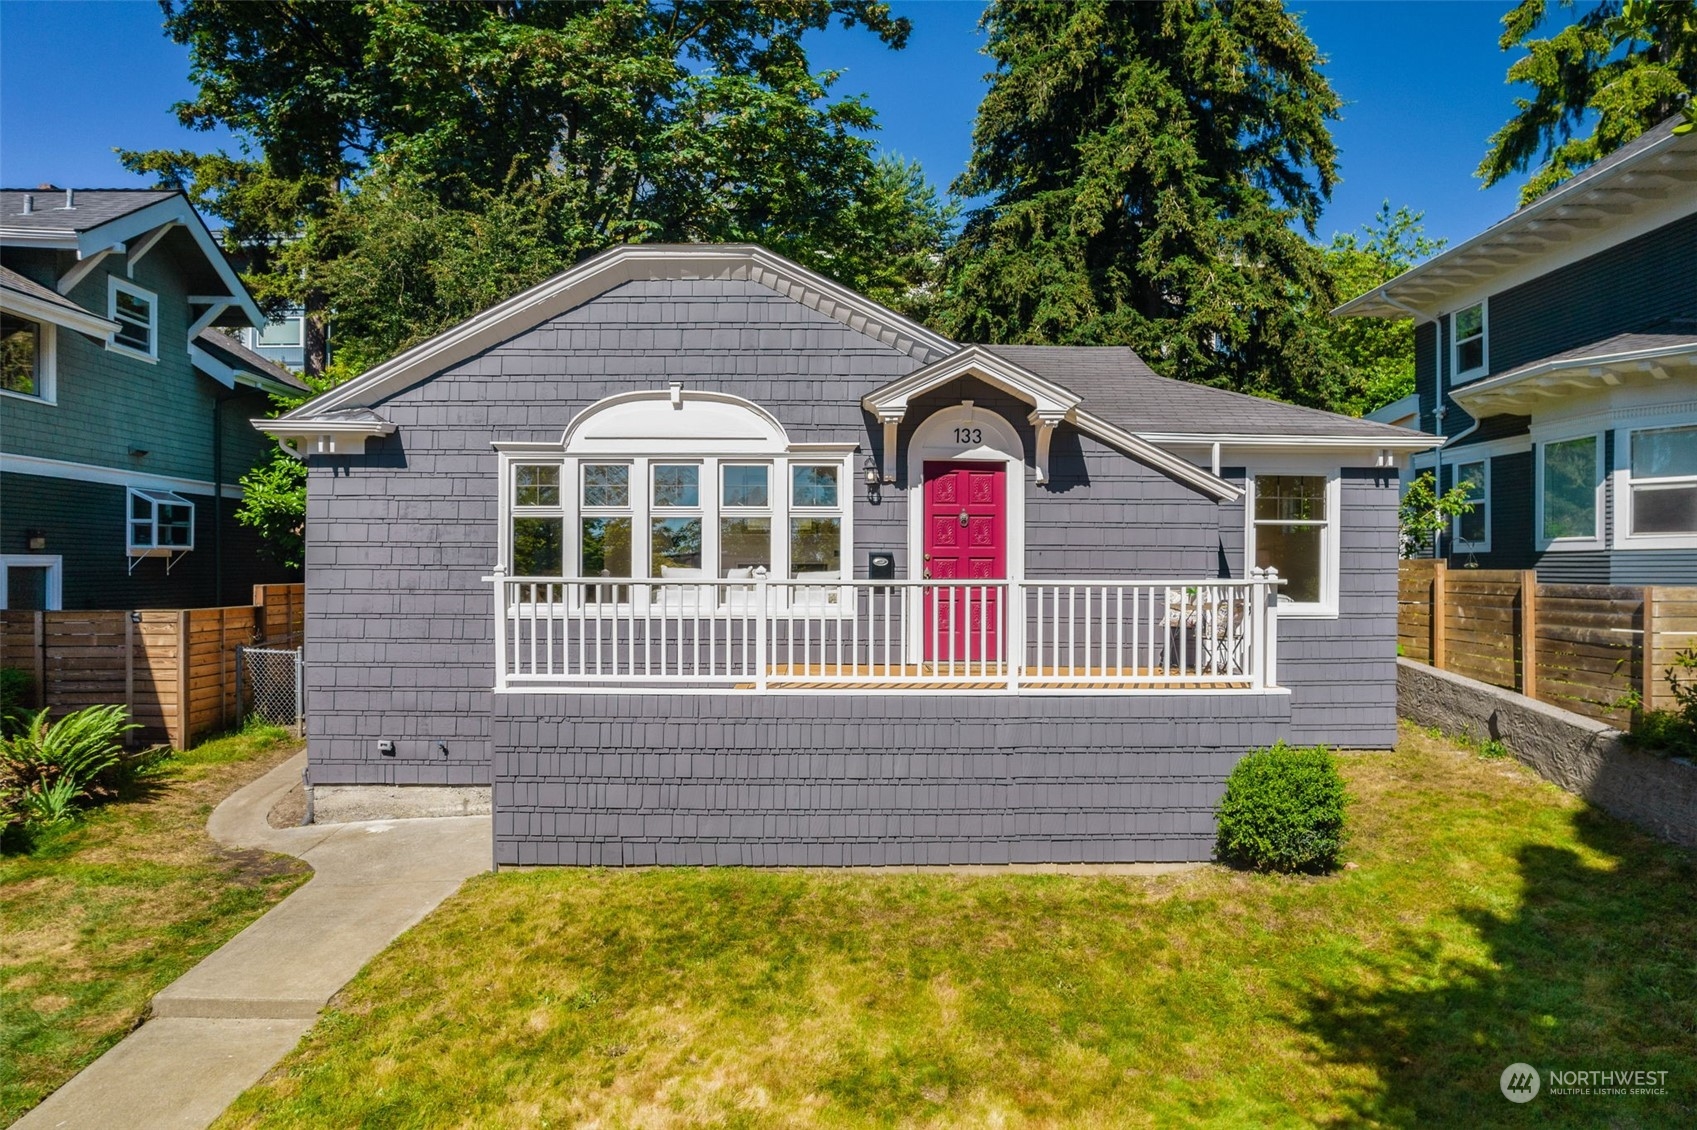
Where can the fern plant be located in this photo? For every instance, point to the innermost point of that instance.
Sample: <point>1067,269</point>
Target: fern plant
<point>49,767</point>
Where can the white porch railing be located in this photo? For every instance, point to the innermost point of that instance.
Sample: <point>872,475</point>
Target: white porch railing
<point>859,634</point>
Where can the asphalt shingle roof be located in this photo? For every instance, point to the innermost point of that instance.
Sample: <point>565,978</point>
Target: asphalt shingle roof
<point>247,358</point>
<point>1674,335</point>
<point>93,207</point>
<point>11,280</point>
<point>1116,385</point>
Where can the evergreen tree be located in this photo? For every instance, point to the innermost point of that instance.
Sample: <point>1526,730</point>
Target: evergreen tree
<point>1148,168</point>
<point>1599,82</point>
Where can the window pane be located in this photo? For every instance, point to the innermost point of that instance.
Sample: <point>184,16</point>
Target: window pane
<point>285,331</point>
<point>1470,355</point>
<point>131,307</point>
<point>537,486</point>
<point>141,507</point>
<point>1471,478</point>
<point>1664,452</point>
<point>676,544</point>
<point>1295,552</point>
<point>19,345</point>
<point>1290,498</point>
<point>606,547</point>
<point>1664,510</point>
<point>133,315</point>
<point>606,484</point>
<point>537,547</point>
<point>816,545</point>
<point>26,588</point>
<point>1570,488</point>
<point>745,544</point>
<point>813,486</point>
<point>746,486</point>
<point>1471,525</point>
<point>141,534</point>
<point>1469,322</point>
<point>176,525</point>
<point>677,484</point>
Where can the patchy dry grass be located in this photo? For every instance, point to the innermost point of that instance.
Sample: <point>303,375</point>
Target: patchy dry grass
<point>1487,918</point>
<point>102,914</point>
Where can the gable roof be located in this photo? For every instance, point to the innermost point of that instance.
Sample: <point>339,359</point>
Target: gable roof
<point>1114,384</point>
<point>24,296</point>
<point>102,221</point>
<point>615,267</point>
<point>1634,179</point>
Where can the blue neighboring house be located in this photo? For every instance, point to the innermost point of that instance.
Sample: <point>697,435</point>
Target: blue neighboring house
<point>1556,353</point>
<point>124,403</point>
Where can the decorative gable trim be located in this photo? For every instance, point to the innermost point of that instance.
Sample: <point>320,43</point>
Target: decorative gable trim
<point>1051,405</point>
<point>615,267</point>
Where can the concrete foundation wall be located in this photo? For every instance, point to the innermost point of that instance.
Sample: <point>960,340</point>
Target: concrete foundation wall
<point>1584,757</point>
<point>867,780</point>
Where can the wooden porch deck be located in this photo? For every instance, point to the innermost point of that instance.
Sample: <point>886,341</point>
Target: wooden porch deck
<point>978,677</point>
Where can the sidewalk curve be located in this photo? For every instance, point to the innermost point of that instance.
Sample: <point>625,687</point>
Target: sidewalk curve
<point>215,1030</point>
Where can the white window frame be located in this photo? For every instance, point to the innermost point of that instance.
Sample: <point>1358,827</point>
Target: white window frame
<point>1621,483</point>
<point>53,563</point>
<point>46,364</point>
<point>116,286</point>
<point>1330,539</point>
<point>1581,543</point>
<point>1457,542</point>
<point>1457,374</point>
<point>154,498</point>
<point>513,510</point>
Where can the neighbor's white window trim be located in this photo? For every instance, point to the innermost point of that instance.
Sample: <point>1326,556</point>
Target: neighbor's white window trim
<point>1585,543</point>
<point>1620,485</point>
<point>53,563</point>
<point>1330,548</point>
<point>46,365</point>
<point>114,285</point>
<point>1457,374</point>
<point>1457,542</point>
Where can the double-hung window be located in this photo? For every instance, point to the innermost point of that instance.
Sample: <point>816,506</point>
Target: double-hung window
<point>1570,476</point>
<point>1472,531</point>
<point>137,313</point>
<point>1467,343</point>
<point>1661,483</point>
<point>538,520</point>
<point>160,522</point>
<point>606,522</point>
<point>1292,529</point>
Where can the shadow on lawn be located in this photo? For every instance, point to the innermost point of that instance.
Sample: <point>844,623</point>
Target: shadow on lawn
<point>1594,970</point>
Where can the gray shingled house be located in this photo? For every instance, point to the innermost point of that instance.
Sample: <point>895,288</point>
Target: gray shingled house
<point>694,556</point>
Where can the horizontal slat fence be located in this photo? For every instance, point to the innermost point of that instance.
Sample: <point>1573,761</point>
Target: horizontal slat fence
<point>1585,648</point>
<point>174,670</point>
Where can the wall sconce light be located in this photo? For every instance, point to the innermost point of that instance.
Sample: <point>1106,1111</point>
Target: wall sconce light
<point>874,482</point>
<point>138,452</point>
<point>35,539</point>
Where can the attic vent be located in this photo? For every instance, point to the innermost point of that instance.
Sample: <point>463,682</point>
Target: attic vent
<point>29,204</point>
<point>70,199</point>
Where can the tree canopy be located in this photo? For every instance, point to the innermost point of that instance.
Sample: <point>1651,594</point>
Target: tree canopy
<point>1597,83</point>
<point>470,148</point>
<point>1147,168</point>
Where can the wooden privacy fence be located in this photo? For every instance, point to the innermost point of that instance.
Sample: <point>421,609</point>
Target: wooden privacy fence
<point>1585,648</point>
<point>174,670</point>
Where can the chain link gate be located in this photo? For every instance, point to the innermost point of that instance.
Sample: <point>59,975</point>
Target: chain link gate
<point>270,684</point>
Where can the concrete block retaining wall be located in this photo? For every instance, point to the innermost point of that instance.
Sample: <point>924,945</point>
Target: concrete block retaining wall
<point>867,780</point>
<point>1584,757</point>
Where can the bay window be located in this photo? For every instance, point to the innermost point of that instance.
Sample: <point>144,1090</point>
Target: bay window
<point>1661,482</point>
<point>1569,477</point>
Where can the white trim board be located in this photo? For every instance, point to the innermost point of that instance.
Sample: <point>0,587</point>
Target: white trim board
<point>54,564</point>
<point>107,476</point>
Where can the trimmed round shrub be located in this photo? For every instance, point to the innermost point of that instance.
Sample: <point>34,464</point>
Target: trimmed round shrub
<point>1283,811</point>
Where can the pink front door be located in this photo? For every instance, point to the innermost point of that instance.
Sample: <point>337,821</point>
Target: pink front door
<point>965,540</point>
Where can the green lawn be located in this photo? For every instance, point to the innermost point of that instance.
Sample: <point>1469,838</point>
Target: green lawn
<point>1485,918</point>
<point>102,914</point>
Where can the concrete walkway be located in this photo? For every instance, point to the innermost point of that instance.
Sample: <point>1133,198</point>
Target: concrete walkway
<point>224,1023</point>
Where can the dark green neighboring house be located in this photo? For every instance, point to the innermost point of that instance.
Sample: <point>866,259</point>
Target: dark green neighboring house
<point>124,406</point>
<point>1557,353</point>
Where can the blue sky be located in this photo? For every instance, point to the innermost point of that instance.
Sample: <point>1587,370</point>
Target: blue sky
<point>1422,81</point>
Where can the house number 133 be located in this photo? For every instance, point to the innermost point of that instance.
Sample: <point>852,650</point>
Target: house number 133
<point>969,435</point>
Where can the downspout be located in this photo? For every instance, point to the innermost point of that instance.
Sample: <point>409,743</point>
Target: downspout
<point>218,500</point>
